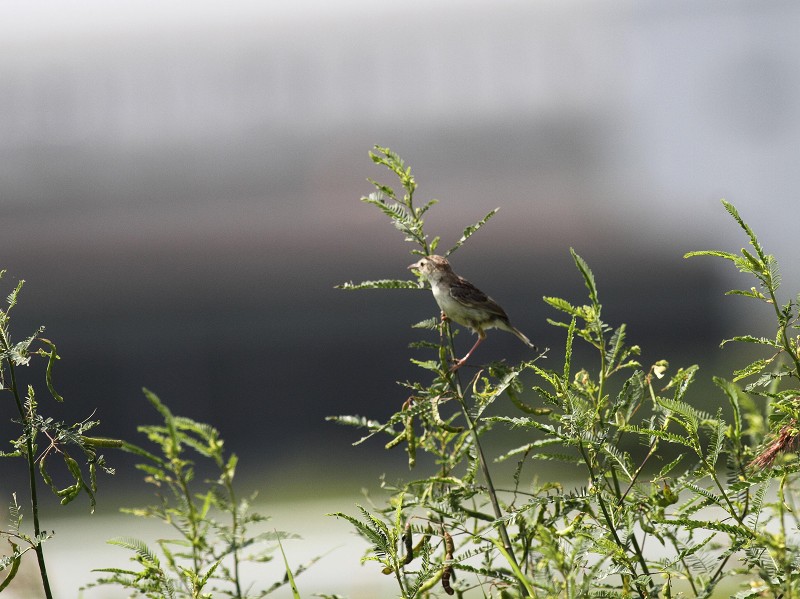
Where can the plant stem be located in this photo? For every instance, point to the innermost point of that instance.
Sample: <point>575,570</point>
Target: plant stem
<point>489,484</point>
<point>720,569</point>
<point>501,526</point>
<point>783,325</point>
<point>235,535</point>
<point>31,476</point>
<point>601,345</point>
<point>731,509</point>
<point>610,523</point>
<point>193,518</point>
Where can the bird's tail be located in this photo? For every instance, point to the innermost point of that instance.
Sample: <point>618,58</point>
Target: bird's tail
<point>523,338</point>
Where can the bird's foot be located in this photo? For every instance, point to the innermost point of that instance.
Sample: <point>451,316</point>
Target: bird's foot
<point>458,364</point>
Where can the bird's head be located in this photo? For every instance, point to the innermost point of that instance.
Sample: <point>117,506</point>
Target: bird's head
<point>430,264</point>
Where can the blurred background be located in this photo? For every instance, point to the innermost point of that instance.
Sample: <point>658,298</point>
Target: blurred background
<point>180,184</point>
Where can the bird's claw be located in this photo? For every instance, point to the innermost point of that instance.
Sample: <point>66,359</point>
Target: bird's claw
<point>458,364</point>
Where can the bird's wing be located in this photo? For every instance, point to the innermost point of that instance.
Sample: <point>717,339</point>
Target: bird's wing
<point>470,296</point>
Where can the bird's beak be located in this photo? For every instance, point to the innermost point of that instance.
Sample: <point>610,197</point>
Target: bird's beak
<point>416,266</point>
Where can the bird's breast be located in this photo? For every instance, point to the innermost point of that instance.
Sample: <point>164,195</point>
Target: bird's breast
<point>458,312</point>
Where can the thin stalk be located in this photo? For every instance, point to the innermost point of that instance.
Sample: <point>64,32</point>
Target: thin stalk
<point>717,572</point>
<point>501,526</point>
<point>183,484</point>
<point>617,490</point>
<point>784,562</point>
<point>180,487</point>
<point>31,477</point>
<point>636,474</point>
<point>731,509</point>
<point>783,326</point>
<point>400,583</point>
<point>489,484</point>
<point>513,561</point>
<point>686,568</point>
<point>653,446</point>
<point>235,535</point>
<point>601,383</point>
<point>610,523</point>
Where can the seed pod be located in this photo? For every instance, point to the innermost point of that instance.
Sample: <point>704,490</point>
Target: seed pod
<point>102,441</point>
<point>448,546</point>
<point>397,440</point>
<point>407,540</point>
<point>411,442</point>
<point>447,571</point>
<point>438,419</point>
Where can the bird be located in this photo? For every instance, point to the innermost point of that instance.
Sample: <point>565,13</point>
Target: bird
<point>462,302</point>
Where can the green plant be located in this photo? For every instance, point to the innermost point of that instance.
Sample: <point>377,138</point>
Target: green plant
<point>212,523</point>
<point>450,445</point>
<point>41,440</point>
<point>675,518</point>
<point>768,537</point>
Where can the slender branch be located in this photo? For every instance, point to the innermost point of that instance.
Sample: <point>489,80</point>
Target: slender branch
<point>193,518</point>
<point>783,326</point>
<point>688,571</point>
<point>720,569</point>
<point>29,432</point>
<point>235,530</point>
<point>455,381</point>
<point>732,510</point>
<point>610,523</point>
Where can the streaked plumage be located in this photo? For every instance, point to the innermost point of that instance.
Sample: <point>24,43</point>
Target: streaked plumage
<point>462,302</point>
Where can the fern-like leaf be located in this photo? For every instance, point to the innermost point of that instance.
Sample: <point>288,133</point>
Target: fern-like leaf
<point>381,284</point>
<point>588,277</point>
<point>714,253</point>
<point>750,369</point>
<point>752,339</point>
<point>469,231</point>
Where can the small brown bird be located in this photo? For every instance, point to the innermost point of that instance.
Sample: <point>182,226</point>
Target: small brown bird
<point>461,301</point>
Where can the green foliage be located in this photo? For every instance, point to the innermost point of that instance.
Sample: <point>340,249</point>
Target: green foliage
<point>289,573</point>
<point>400,209</point>
<point>470,230</point>
<point>213,525</point>
<point>41,442</point>
<point>764,267</point>
<point>14,534</point>
<point>383,284</point>
<point>691,509</point>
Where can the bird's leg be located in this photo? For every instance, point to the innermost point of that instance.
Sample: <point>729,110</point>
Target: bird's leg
<point>460,363</point>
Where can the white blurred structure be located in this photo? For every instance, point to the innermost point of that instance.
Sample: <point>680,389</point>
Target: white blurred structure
<point>133,109</point>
